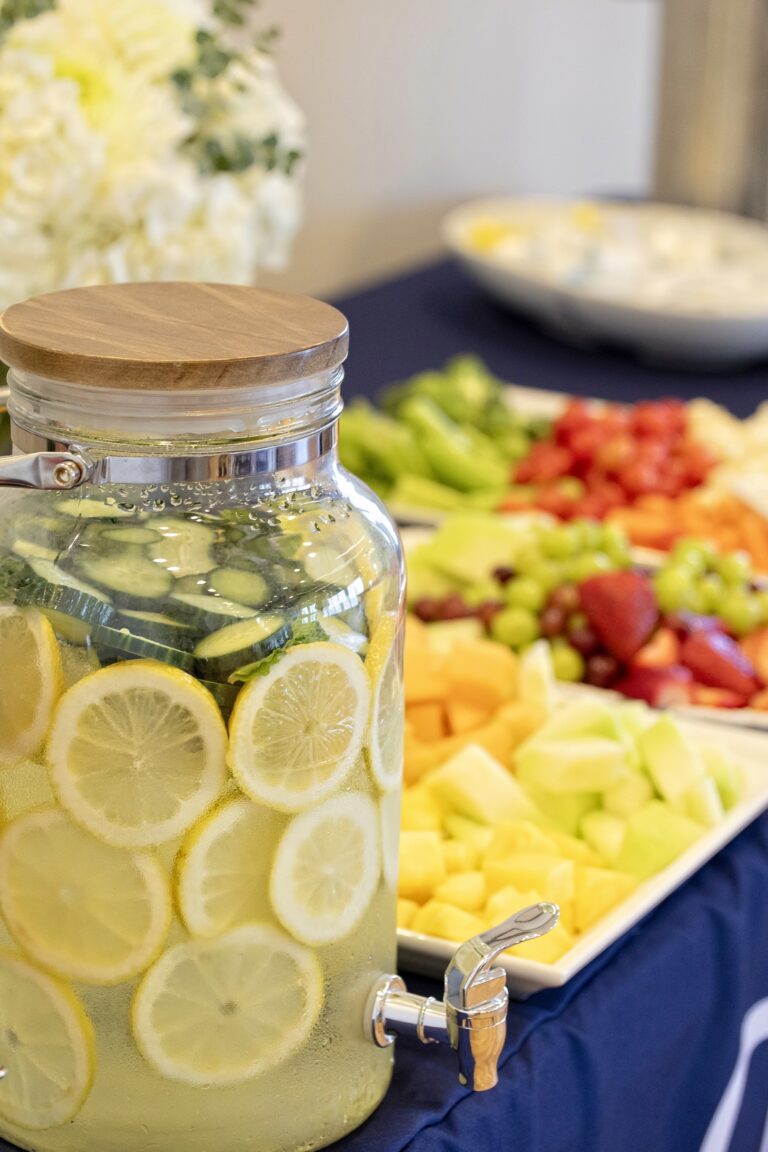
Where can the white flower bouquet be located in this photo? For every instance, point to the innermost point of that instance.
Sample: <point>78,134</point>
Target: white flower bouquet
<point>141,140</point>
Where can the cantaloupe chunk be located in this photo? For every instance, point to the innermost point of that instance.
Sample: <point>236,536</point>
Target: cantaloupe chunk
<point>463,717</point>
<point>422,866</point>
<point>406,910</point>
<point>425,678</point>
<point>448,922</point>
<point>427,720</point>
<point>420,810</point>
<point>465,890</point>
<point>597,891</point>
<point>482,672</point>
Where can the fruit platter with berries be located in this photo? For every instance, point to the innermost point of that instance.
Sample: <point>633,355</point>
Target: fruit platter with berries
<point>690,631</point>
<point>661,470</point>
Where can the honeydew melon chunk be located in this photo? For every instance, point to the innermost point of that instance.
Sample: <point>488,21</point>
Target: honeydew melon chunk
<point>472,544</point>
<point>552,875</point>
<point>703,803</point>
<point>565,812</point>
<point>590,764</point>
<point>674,764</point>
<point>465,890</point>
<point>628,795</point>
<point>448,922</point>
<point>654,837</point>
<point>474,785</point>
<point>422,866</point>
<point>633,717</point>
<point>537,684</point>
<point>577,718</point>
<point>604,833</point>
<point>477,836</point>
<point>725,772</point>
<point>597,891</point>
<point>445,634</point>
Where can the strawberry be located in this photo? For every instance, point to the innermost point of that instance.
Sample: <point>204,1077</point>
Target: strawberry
<point>621,608</point>
<point>659,687</point>
<point>717,660</point>
<point>708,697</point>
<point>662,649</point>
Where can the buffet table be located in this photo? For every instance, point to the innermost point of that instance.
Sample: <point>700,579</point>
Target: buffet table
<point>657,1044</point>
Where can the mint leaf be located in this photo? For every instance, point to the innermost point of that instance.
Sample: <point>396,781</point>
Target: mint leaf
<point>310,633</point>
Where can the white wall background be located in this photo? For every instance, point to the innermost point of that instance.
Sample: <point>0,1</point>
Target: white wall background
<point>416,105</point>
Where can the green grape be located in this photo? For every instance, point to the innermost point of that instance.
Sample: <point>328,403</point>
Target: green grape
<point>734,567</point>
<point>695,554</point>
<point>711,589</point>
<point>526,592</point>
<point>675,589</point>
<point>590,565</point>
<point>762,597</point>
<point>567,663</point>
<point>560,543</point>
<point>548,574</point>
<point>514,626</point>
<point>742,611</point>
<point>589,534</point>
<point>614,544</point>
<point>479,593</point>
<point>528,558</point>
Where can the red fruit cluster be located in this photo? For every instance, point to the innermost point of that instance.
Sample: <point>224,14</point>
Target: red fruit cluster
<point>617,454</point>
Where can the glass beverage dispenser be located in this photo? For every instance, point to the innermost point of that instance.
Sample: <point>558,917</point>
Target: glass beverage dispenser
<point>201,722</point>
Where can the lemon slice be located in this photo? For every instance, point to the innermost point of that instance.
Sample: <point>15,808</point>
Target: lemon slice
<point>137,753</point>
<point>389,819</point>
<point>81,909</point>
<point>30,681</point>
<point>222,871</point>
<point>296,732</point>
<point>46,1046</point>
<point>218,1012</point>
<point>327,868</point>
<point>384,746</point>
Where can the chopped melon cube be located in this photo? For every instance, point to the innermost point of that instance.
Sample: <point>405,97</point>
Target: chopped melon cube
<point>443,636</point>
<point>477,836</point>
<point>604,833</point>
<point>725,772</point>
<point>655,836</point>
<point>629,795</point>
<point>589,764</point>
<point>475,785</point>
<point>703,803</point>
<point>425,678</point>
<point>564,811</point>
<point>463,717</point>
<point>482,673</point>
<point>427,721</point>
<point>672,761</point>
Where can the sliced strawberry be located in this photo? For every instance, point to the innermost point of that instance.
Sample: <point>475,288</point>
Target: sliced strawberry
<point>659,687</point>
<point>708,697</point>
<point>662,649</point>
<point>621,608</point>
<point>717,660</point>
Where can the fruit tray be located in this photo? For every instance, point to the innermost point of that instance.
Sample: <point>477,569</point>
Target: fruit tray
<point>430,956</point>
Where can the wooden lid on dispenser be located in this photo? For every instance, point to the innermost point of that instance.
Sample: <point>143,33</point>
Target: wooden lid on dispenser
<point>161,336</point>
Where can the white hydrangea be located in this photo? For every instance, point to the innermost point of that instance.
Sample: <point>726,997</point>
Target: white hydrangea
<point>96,184</point>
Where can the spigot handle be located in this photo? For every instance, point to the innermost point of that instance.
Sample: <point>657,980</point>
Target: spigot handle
<point>47,471</point>
<point>473,1017</point>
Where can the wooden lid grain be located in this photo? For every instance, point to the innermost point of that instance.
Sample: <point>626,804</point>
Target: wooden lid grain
<point>172,335</point>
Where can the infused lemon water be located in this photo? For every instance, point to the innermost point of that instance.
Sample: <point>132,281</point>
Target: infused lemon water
<point>201,748</point>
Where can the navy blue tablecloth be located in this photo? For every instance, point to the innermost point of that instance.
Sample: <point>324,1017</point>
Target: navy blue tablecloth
<point>640,1049</point>
<point>418,320</point>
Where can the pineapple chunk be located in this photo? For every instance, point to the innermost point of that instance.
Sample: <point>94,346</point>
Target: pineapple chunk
<point>422,866</point>
<point>420,810</point>
<point>477,836</point>
<point>597,891</point>
<point>553,876</point>
<point>446,921</point>
<point>458,856</point>
<point>406,910</point>
<point>465,890</point>
<point>517,836</point>
<point>547,949</point>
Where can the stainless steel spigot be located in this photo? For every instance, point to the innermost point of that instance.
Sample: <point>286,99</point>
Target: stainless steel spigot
<point>473,1015</point>
<point>48,471</point>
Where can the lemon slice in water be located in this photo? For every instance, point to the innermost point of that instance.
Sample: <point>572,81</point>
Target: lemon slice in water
<point>296,732</point>
<point>46,1046</point>
<point>80,908</point>
<point>137,753</point>
<point>384,747</point>
<point>218,1012</point>
<point>327,869</point>
<point>222,871</point>
<point>31,681</point>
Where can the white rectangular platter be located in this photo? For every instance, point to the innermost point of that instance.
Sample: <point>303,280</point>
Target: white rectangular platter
<point>430,956</point>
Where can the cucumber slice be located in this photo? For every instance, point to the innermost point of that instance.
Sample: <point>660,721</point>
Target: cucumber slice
<point>224,694</point>
<point>121,644</point>
<point>249,588</point>
<point>131,535</point>
<point>69,628</point>
<point>84,509</point>
<point>241,643</point>
<point>28,548</point>
<point>200,606</point>
<point>54,590</point>
<point>185,547</point>
<point>126,574</point>
<point>159,627</point>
